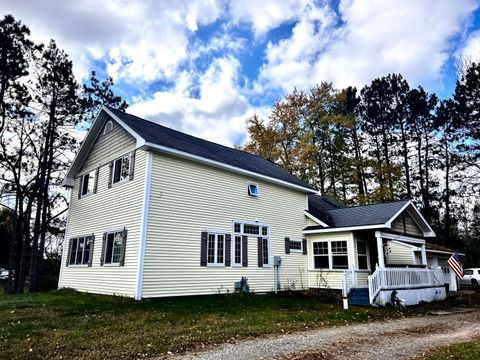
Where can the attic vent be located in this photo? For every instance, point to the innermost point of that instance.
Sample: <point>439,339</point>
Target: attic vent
<point>108,127</point>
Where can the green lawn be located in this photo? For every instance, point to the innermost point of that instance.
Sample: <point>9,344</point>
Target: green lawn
<point>68,324</point>
<point>463,351</point>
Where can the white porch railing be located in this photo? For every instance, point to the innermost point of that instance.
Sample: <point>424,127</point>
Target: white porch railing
<point>398,278</point>
<point>348,281</point>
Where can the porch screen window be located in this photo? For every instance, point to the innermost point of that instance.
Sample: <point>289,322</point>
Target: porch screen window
<point>362,255</point>
<point>339,255</point>
<point>320,255</point>
<point>216,249</point>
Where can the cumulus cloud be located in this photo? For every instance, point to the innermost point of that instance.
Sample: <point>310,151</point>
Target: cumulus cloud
<point>371,39</point>
<point>218,113</point>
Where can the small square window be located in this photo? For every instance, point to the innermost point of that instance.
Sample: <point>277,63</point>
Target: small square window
<point>252,189</point>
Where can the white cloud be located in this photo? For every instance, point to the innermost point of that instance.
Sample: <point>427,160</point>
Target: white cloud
<point>141,40</point>
<point>471,48</point>
<point>265,15</point>
<point>217,114</point>
<point>374,38</point>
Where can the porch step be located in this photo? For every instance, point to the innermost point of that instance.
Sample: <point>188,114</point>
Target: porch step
<point>358,296</point>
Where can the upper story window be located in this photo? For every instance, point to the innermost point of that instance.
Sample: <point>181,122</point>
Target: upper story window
<point>121,169</point>
<point>108,127</point>
<point>252,189</point>
<point>88,183</point>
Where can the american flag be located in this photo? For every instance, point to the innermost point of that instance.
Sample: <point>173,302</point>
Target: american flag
<point>456,265</point>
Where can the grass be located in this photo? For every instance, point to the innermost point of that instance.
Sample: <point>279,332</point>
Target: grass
<point>463,351</point>
<point>69,324</point>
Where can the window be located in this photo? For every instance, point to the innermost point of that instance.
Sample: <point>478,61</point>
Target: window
<point>108,127</point>
<point>237,227</point>
<point>121,169</point>
<point>252,189</point>
<point>237,250</point>
<point>362,255</point>
<point>468,272</point>
<point>265,243</point>
<point>295,245</point>
<point>113,247</point>
<point>339,255</point>
<point>251,229</point>
<point>88,182</point>
<point>216,249</point>
<point>264,230</point>
<point>320,255</point>
<point>80,249</point>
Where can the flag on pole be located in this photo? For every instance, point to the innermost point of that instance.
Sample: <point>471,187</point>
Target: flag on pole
<point>456,265</point>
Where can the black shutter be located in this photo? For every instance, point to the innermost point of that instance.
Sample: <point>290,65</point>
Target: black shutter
<point>228,249</point>
<point>244,251</point>
<point>80,185</point>
<point>95,185</point>
<point>124,247</point>
<point>132,165</point>
<point>287,245</point>
<point>304,245</point>
<point>69,250</point>
<point>260,252</point>
<point>104,244</point>
<point>90,257</point>
<point>203,249</point>
<point>110,175</point>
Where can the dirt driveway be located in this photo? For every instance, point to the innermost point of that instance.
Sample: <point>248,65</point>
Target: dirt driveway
<point>396,339</point>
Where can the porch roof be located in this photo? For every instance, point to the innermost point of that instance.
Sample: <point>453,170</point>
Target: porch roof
<point>375,216</point>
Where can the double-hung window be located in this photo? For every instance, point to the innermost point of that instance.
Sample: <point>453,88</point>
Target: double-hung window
<point>339,255</point>
<point>112,248</point>
<point>216,249</point>
<point>121,169</point>
<point>237,250</point>
<point>88,183</point>
<point>320,255</point>
<point>80,250</point>
<point>362,254</point>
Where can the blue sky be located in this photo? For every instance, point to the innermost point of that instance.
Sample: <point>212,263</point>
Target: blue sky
<point>205,66</point>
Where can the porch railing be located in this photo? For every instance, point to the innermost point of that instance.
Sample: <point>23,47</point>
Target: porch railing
<point>348,281</point>
<point>398,278</point>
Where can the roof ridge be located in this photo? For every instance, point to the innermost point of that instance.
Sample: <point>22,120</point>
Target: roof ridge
<point>196,137</point>
<point>366,205</point>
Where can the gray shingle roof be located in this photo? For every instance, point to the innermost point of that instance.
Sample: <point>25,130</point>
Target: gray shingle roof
<point>318,206</point>
<point>338,217</point>
<point>161,135</point>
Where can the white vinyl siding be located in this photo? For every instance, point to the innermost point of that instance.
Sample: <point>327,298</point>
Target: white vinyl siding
<point>397,253</point>
<point>109,208</point>
<point>108,147</point>
<point>188,198</point>
<point>329,278</point>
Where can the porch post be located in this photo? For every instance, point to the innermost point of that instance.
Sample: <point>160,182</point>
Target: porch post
<point>381,255</point>
<point>424,255</point>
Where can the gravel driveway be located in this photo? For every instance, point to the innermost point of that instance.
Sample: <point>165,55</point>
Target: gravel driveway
<point>395,339</point>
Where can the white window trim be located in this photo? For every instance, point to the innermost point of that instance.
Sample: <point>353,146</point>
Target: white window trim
<point>216,233</point>
<point>260,226</point>
<point>330,255</point>
<point>234,264</point>
<point>105,132</point>
<point>127,179</point>
<point>248,189</point>
<point>106,246</point>
<point>292,239</point>
<point>83,252</point>
<point>367,255</point>
<point>81,183</point>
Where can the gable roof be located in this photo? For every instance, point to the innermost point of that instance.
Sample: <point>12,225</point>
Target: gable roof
<point>151,135</point>
<point>381,215</point>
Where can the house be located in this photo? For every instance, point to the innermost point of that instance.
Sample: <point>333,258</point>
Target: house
<point>155,212</point>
